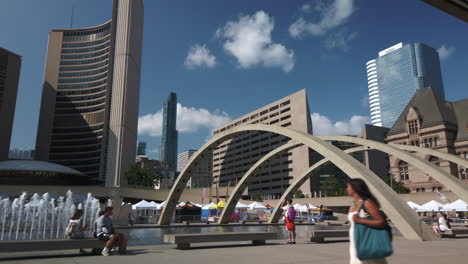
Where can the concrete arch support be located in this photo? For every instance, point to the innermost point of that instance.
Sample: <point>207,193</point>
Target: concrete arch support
<point>404,218</point>
<point>428,151</point>
<point>296,184</point>
<point>244,181</point>
<point>449,181</point>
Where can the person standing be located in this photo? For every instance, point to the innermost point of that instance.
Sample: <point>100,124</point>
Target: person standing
<point>289,216</point>
<point>364,205</point>
<point>105,231</point>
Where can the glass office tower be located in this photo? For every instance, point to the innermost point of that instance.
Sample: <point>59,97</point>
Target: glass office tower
<point>168,151</point>
<point>394,77</point>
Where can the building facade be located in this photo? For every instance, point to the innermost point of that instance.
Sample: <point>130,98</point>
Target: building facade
<point>432,122</point>
<point>141,149</point>
<point>10,66</point>
<point>24,154</point>
<point>183,158</point>
<point>167,173</point>
<point>202,174</point>
<point>396,75</point>
<point>89,109</point>
<point>232,158</point>
<point>169,141</point>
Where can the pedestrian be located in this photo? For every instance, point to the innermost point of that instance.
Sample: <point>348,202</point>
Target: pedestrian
<point>106,232</point>
<point>289,216</point>
<point>75,228</point>
<point>365,216</point>
<point>442,224</point>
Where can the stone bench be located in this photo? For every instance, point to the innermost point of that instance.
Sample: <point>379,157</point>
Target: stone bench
<point>454,232</point>
<point>252,221</point>
<point>183,241</point>
<point>320,235</point>
<point>7,246</point>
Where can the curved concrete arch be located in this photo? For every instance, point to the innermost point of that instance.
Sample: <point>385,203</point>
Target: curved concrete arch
<point>432,152</point>
<point>452,183</point>
<point>404,218</point>
<point>244,181</point>
<point>299,181</point>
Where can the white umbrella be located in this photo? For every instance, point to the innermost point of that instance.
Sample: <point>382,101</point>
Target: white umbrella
<point>256,206</point>
<point>413,206</point>
<point>240,205</point>
<point>459,206</point>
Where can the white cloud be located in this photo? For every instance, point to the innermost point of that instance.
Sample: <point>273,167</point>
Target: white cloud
<point>199,56</point>
<point>189,120</point>
<point>339,40</point>
<point>331,17</point>
<point>324,126</point>
<point>445,52</point>
<point>249,41</point>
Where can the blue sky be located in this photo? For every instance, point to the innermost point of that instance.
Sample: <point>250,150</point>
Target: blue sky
<point>227,58</point>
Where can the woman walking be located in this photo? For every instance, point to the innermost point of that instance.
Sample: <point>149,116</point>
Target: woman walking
<point>365,211</point>
<point>289,217</point>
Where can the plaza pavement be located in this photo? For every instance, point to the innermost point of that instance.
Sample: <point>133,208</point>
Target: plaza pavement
<point>445,251</point>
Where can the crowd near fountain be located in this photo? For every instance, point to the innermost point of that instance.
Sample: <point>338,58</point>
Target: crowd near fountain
<point>42,217</point>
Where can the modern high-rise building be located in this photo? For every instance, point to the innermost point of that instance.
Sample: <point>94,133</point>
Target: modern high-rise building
<point>89,110</point>
<point>141,149</point>
<point>396,75</point>
<point>183,158</point>
<point>234,157</point>
<point>202,174</point>
<point>168,149</point>
<point>10,65</point>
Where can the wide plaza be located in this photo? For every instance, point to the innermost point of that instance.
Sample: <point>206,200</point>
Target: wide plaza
<point>444,251</point>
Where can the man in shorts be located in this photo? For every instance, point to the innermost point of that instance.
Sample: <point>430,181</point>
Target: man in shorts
<point>105,231</point>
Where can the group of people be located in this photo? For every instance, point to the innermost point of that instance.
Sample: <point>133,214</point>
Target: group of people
<point>102,230</point>
<point>365,210</point>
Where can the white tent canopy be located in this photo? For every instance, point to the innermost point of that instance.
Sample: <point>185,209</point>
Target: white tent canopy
<point>256,206</point>
<point>311,206</point>
<point>144,205</point>
<point>458,205</point>
<point>413,205</point>
<point>207,206</point>
<point>240,205</point>
<point>430,206</point>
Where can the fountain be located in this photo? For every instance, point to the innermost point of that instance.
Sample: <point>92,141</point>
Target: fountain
<point>40,218</point>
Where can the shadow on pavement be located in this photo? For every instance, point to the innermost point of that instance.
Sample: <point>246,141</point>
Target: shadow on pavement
<point>64,255</point>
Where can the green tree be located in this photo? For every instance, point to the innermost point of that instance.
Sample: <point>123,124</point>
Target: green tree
<point>143,177</point>
<point>332,186</point>
<point>398,187</point>
<point>299,194</point>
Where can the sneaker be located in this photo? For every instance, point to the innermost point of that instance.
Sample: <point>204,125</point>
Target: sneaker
<point>293,242</point>
<point>289,242</point>
<point>105,253</point>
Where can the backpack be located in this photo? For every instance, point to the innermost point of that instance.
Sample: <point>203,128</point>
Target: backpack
<point>291,214</point>
<point>70,228</point>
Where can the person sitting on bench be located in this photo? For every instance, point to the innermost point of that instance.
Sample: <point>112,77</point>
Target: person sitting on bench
<point>105,231</point>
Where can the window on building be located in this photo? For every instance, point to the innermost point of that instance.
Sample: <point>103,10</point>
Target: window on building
<point>423,189</point>
<point>430,142</point>
<point>413,127</point>
<point>418,190</point>
<point>403,168</point>
<point>434,160</point>
<point>436,141</point>
<point>425,143</point>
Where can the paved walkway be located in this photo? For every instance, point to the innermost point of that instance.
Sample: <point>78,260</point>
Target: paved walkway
<point>446,251</point>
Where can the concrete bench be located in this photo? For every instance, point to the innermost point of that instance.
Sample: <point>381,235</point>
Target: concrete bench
<point>454,232</point>
<point>320,235</point>
<point>183,241</point>
<point>252,221</point>
<point>46,245</point>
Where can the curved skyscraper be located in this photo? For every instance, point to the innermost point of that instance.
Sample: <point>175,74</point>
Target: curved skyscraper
<point>89,109</point>
<point>395,76</point>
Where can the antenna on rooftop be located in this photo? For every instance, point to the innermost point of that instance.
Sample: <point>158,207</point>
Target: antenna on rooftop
<point>71,18</point>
